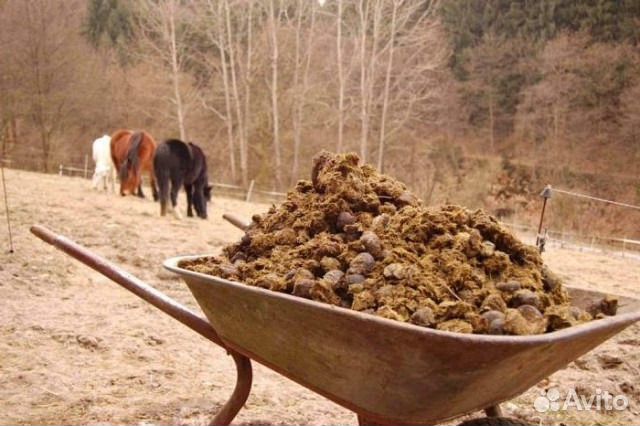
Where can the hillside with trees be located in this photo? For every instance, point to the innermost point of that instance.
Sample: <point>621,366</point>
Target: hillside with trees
<point>474,102</point>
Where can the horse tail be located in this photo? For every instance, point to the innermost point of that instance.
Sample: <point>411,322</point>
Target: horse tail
<point>132,160</point>
<point>202,191</point>
<point>123,173</point>
<point>134,150</point>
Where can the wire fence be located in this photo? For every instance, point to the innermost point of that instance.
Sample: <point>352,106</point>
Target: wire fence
<point>249,193</point>
<point>581,242</point>
<point>625,247</point>
<point>591,197</point>
<point>76,171</point>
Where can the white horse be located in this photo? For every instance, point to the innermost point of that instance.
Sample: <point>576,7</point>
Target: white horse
<point>104,166</point>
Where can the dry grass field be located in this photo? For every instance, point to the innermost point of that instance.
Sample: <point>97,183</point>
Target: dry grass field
<point>77,349</point>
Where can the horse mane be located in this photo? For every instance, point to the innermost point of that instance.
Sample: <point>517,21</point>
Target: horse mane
<point>132,156</point>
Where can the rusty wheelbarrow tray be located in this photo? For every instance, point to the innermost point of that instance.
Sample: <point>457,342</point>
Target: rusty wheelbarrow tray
<point>386,371</point>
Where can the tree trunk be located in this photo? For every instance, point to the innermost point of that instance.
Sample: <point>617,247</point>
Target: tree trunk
<point>300,93</point>
<point>296,95</point>
<point>491,122</point>
<point>46,149</point>
<point>244,147</point>
<point>227,90</point>
<point>387,81</point>
<point>175,68</point>
<point>234,87</point>
<point>274,96</point>
<point>363,10</point>
<point>339,146</point>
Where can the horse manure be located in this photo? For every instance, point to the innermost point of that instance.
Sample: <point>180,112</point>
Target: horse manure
<point>508,287</point>
<point>493,302</point>
<point>424,317</point>
<point>455,325</point>
<point>354,279</point>
<point>344,219</point>
<point>496,326</point>
<point>355,238</point>
<point>492,315</point>
<point>394,271</point>
<point>372,244</point>
<point>362,264</point>
<point>334,277</point>
<point>302,288</point>
<point>609,305</point>
<point>606,306</point>
<point>525,297</point>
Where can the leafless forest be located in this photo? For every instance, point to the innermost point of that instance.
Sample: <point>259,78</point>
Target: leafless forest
<point>480,103</point>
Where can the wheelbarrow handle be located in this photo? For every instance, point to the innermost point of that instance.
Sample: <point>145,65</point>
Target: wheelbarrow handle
<point>130,282</point>
<point>166,305</point>
<point>237,221</point>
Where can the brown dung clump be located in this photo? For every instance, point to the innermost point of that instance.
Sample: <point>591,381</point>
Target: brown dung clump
<point>355,238</point>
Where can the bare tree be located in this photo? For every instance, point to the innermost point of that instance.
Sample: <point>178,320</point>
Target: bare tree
<point>544,112</point>
<point>387,83</point>
<point>234,87</point>
<point>630,121</point>
<point>215,28</point>
<point>341,78</point>
<point>273,32</point>
<point>363,28</point>
<point>43,66</point>
<point>164,44</point>
<point>302,64</point>
<point>247,80</point>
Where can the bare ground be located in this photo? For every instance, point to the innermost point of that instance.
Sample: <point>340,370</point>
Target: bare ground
<point>77,349</point>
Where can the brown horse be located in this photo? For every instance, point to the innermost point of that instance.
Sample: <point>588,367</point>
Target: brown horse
<point>132,154</point>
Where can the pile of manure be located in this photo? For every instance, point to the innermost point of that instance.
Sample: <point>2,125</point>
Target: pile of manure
<point>358,239</point>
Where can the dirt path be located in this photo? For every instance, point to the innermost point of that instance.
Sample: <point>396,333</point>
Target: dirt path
<point>77,349</point>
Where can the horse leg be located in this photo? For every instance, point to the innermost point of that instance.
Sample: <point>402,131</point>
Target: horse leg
<point>154,188</point>
<point>94,181</point>
<point>140,193</point>
<point>139,180</point>
<point>188,189</point>
<point>175,188</point>
<point>176,183</point>
<point>163,189</point>
<point>199,201</point>
<point>112,174</point>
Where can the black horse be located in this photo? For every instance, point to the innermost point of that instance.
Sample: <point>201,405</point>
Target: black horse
<point>179,163</point>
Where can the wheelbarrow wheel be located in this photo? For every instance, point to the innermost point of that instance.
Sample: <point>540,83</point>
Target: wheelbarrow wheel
<point>494,421</point>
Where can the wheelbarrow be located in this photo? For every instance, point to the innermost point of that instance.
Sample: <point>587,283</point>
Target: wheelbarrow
<point>385,371</point>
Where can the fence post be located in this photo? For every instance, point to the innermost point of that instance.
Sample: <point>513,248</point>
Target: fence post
<point>60,170</point>
<point>250,190</point>
<point>86,165</point>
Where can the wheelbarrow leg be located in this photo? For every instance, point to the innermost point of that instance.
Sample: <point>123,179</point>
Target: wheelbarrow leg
<point>240,393</point>
<point>366,421</point>
<point>493,411</point>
